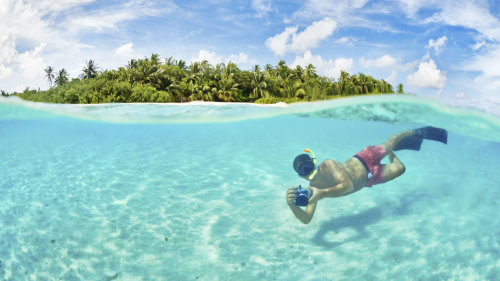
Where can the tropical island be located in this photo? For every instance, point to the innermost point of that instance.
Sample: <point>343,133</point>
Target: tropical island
<point>168,80</point>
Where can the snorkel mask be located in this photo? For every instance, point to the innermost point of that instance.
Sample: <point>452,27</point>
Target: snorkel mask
<point>305,166</point>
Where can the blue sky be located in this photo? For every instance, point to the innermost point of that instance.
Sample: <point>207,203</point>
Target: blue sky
<point>445,49</point>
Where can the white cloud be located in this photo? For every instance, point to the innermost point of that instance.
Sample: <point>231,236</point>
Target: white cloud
<point>489,84</point>
<point>238,59</point>
<point>470,14</point>
<point>5,71</point>
<point>279,43</point>
<point>213,58</point>
<point>346,12</point>
<point>330,68</point>
<point>125,50</point>
<point>337,9</point>
<point>392,78</point>
<point>488,81</point>
<point>478,45</point>
<point>21,22</point>
<point>475,15</point>
<point>487,63</point>
<point>35,32</point>
<point>437,44</point>
<point>31,62</point>
<point>7,52</point>
<point>291,41</point>
<point>388,67</point>
<point>60,5</point>
<point>411,7</point>
<point>262,7</point>
<point>103,19</point>
<point>346,40</point>
<point>385,61</point>
<point>427,76</point>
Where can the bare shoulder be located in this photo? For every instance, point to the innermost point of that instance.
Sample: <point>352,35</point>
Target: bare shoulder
<point>330,164</point>
<point>333,167</point>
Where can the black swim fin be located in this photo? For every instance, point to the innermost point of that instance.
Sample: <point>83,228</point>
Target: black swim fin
<point>414,141</point>
<point>432,133</point>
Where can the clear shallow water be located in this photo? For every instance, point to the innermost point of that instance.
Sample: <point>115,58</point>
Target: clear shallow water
<point>135,196</point>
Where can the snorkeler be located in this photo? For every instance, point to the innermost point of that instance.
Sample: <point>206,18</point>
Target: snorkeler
<point>334,179</point>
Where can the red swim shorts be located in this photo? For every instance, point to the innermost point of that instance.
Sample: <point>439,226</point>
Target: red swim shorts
<point>371,156</point>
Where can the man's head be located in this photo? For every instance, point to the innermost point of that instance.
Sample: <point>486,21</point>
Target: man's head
<point>304,165</point>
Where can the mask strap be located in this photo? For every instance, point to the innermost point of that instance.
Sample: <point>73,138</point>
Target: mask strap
<point>307,150</point>
<point>314,172</point>
<point>311,175</point>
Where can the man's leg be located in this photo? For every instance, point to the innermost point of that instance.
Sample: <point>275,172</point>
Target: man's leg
<point>395,139</point>
<point>394,169</point>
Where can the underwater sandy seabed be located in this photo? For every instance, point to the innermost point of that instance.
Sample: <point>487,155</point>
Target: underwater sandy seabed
<point>94,200</point>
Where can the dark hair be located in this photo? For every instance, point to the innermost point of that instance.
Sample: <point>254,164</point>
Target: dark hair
<point>303,165</point>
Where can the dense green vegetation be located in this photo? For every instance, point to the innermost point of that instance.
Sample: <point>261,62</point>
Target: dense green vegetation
<point>156,80</point>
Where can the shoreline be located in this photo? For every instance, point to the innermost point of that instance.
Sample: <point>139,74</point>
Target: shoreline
<point>220,103</point>
<point>278,104</point>
<point>317,104</point>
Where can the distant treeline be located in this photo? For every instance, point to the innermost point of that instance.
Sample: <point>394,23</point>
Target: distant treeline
<point>169,80</point>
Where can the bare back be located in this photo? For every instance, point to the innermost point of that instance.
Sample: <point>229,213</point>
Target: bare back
<point>331,173</point>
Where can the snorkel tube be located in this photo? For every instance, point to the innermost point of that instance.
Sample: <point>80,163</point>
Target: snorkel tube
<point>314,171</point>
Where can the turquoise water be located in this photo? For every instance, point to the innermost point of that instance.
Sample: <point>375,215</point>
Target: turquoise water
<point>175,192</point>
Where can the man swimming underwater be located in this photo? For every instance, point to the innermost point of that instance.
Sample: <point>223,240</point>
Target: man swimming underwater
<point>334,179</point>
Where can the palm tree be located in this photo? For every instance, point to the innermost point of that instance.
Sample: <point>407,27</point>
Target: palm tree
<point>343,81</point>
<point>311,72</point>
<point>132,64</point>
<point>344,76</point>
<point>383,86</point>
<point>363,83</point>
<point>90,70</point>
<point>170,61</point>
<point>195,71</point>
<point>49,74</point>
<point>291,87</point>
<point>282,69</point>
<point>226,89</point>
<point>181,64</point>
<point>230,69</point>
<point>299,72</point>
<point>357,89</point>
<point>400,88</point>
<point>205,67</point>
<point>160,80</point>
<point>155,59</point>
<point>62,77</point>
<point>207,93</point>
<point>258,84</point>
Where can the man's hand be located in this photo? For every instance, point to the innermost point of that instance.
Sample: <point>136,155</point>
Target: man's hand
<point>304,216</point>
<point>290,195</point>
<point>315,195</point>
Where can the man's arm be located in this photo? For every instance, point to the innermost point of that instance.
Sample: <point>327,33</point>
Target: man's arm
<point>304,216</point>
<point>340,189</point>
